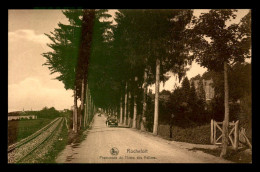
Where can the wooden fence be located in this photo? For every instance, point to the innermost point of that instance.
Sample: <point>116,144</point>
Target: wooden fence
<point>217,133</point>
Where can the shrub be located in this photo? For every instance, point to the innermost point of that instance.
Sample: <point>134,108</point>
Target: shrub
<point>196,135</point>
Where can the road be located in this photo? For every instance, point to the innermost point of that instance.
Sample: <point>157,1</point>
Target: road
<point>131,145</point>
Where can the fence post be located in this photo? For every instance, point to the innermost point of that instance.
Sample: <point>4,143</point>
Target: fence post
<point>236,134</point>
<point>215,131</point>
<point>211,132</point>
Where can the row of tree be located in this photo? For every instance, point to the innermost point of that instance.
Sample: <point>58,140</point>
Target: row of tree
<point>109,65</point>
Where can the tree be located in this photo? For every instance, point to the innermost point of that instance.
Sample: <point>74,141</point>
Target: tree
<point>128,47</point>
<point>240,80</point>
<point>48,113</point>
<point>192,97</point>
<point>165,29</point>
<point>64,57</point>
<point>186,88</point>
<point>65,45</point>
<point>201,93</point>
<point>74,46</point>
<point>144,38</point>
<point>225,45</point>
<point>193,102</point>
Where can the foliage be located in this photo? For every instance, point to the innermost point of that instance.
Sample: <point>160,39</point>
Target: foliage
<point>225,43</point>
<point>246,115</point>
<point>239,81</point>
<point>48,113</point>
<point>65,45</point>
<point>186,89</point>
<point>186,106</point>
<point>71,51</point>
<point>193,102</point>
<point>192,134</point>
<point>240,87</point>
<point>201,92</point>
<point>111,56</point>
<point>150,112</point>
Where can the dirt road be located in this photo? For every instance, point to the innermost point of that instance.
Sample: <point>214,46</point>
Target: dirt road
<point>129,146</point>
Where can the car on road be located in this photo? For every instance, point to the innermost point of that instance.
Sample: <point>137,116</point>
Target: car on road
<point>112,122</point>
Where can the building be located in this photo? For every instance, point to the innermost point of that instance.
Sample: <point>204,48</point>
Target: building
<point>18,115</point>
<point>22,117</point>
<point>207,86</point>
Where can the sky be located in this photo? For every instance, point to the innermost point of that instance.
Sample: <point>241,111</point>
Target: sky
<point>30,85</point>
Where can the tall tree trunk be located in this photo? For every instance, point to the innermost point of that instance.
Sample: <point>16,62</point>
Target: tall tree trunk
<point>226,118</point>
<point>90,106</point>
<point>118,112</point>
<point>143,120</point>
<point>86,106</point>
<point>135,110</point>
<point>75,122</point>
<point>121,110</point>
<point>129,107</point>
<point>125,104</point>
<point>82,103</point>
<point>93,106</point>
<point>156,101</point>
<point>135,105</point>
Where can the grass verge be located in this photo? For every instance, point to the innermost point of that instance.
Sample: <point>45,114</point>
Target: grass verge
<point>57,147</point>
